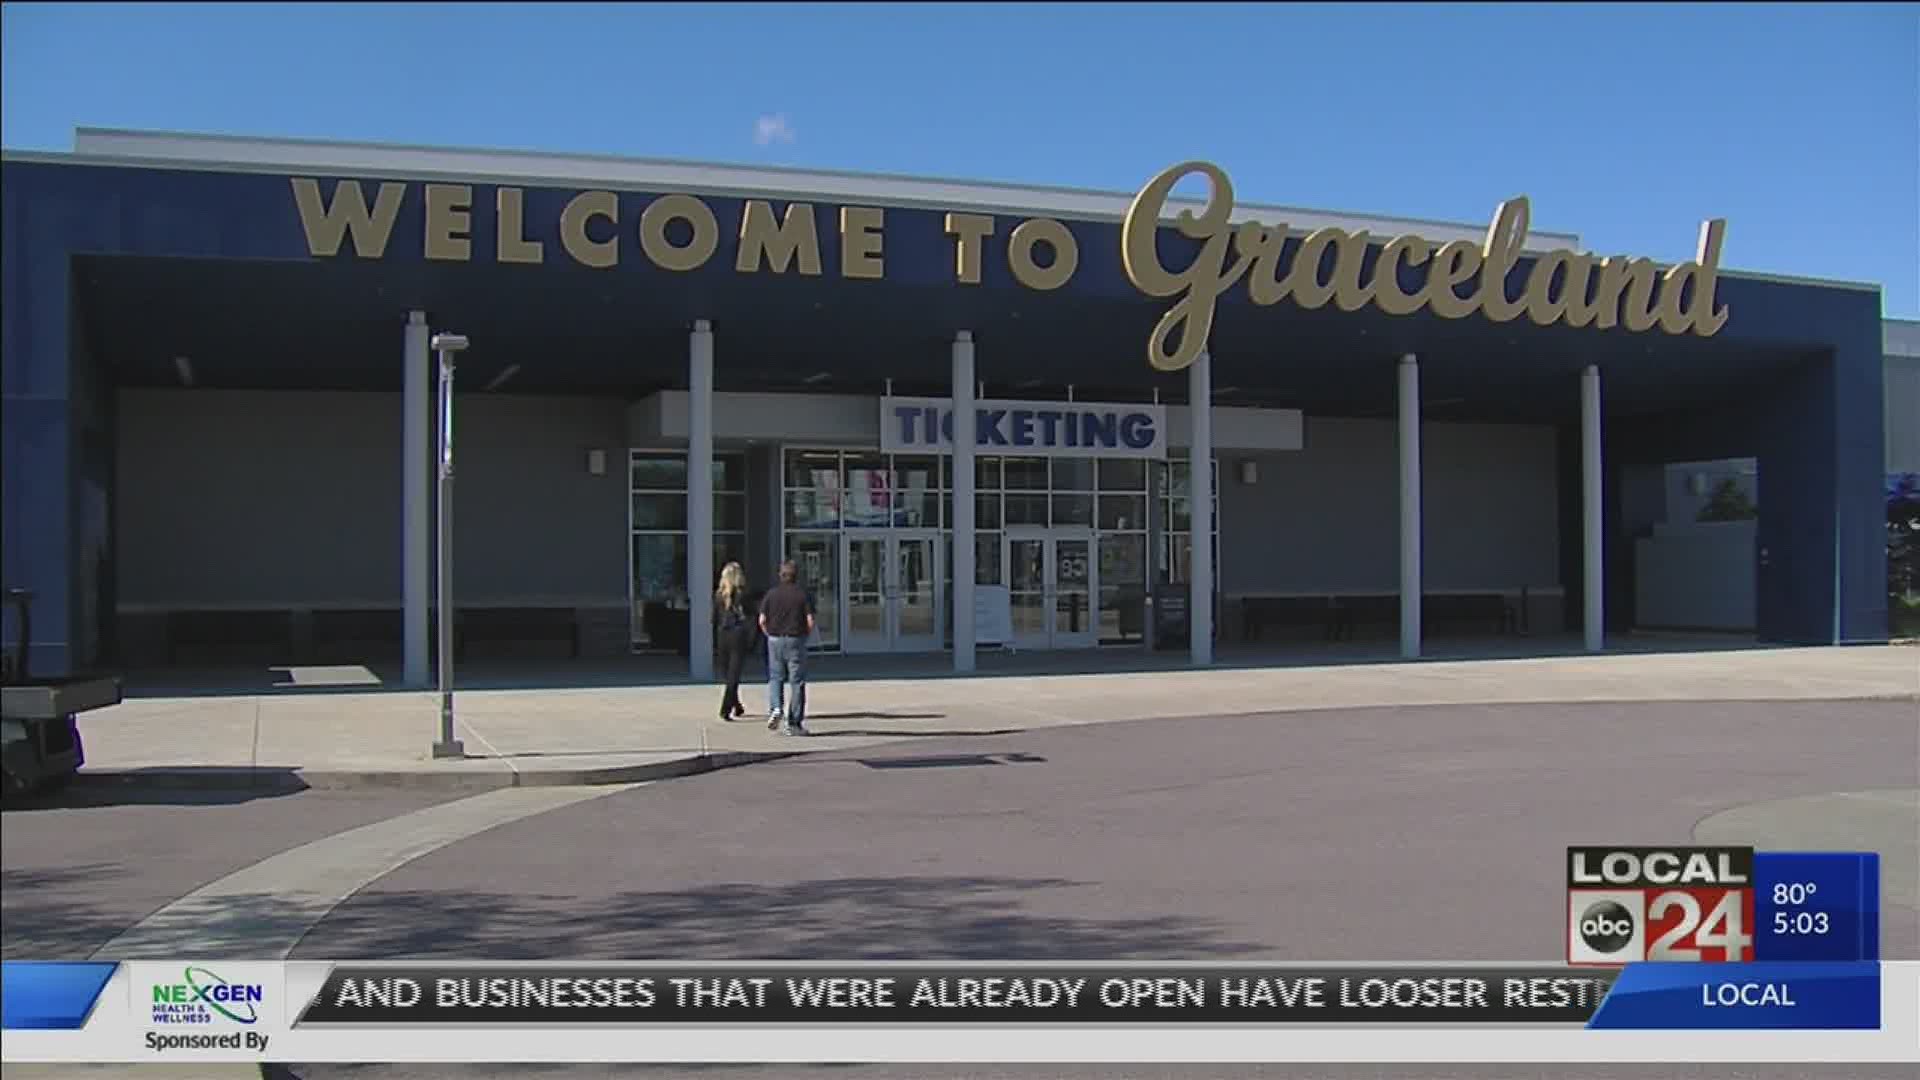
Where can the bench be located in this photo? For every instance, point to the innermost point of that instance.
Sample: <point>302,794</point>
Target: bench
<point>516,625</point>
<point>227,633</point>
<point>1257,613</point>
<point>1364,610</point>
<point>356,627</point>
<point>1482,610</point>
<point>1490,610</point>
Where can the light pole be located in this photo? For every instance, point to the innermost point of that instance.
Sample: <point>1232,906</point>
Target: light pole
<point>446,345</point>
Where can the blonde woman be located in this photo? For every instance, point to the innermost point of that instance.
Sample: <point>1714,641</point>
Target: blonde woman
<point>734,634</point>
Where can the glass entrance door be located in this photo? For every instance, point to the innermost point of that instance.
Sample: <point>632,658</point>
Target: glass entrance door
<point>1076,620</point>
<point>1027,590</point>
<point>916,599</point>
<point>817,556</point>
<point>866,606</point>
<point>1053,588</point>
<point>893,591</point>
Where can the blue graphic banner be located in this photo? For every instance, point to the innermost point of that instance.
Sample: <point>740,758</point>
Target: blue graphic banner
<point>1816,906</point>
<point>1743,997</point>
<point>46,996</point>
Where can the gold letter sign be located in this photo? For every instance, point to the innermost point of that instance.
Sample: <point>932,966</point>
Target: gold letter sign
<point>1557,289</point>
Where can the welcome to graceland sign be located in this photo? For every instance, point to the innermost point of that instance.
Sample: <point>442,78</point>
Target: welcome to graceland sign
<point>1575,288</point>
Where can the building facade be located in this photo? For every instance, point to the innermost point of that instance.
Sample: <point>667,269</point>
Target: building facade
<point>221,413</point>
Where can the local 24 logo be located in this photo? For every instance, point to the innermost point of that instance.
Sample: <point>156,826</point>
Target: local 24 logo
<point>1625,905</point>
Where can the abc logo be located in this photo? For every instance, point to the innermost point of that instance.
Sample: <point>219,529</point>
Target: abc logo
<point>1606,927</point>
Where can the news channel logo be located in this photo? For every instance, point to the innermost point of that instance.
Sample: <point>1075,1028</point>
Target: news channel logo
<point>202,996</point>
<point>1628,904</point>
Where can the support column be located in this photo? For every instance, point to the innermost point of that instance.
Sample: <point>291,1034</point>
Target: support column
<point>1200,468</point>
<point>1594,609</point>
<point>1409,507</point>
<point>964,435</point>
<point>416,456</point>
<point>700,569</point>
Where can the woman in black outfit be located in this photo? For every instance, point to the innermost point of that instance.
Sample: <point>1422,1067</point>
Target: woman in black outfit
<point>734,635</point>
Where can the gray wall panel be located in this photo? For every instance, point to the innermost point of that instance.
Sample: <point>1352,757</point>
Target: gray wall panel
<point>1326,518</point>
<point>233,498</point>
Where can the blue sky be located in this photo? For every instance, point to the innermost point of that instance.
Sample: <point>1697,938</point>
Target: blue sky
<point>1627,124</point>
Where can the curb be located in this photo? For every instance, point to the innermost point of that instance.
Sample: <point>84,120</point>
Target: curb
<point>287,780</point>
<point>425,777</point>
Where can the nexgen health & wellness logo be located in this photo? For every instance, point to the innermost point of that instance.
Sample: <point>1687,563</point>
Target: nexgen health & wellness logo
<point>202,996</point>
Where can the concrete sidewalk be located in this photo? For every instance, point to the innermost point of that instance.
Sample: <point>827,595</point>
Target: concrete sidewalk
<point>319,735</point>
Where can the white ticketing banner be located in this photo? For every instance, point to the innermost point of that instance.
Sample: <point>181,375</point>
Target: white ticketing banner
<point>1027,428</point>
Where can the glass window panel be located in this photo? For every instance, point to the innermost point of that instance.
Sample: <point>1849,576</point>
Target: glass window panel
<point>813,468</point>
<point>1122,474</point>
<point>1179,479</point>
<point>868,483</point>
<point>986,474</point>
<point>986,511</point>
<point>867,505</point>
<point>1179,514</point>
<point>1123,511</point>
<point>1123,614</point>
<point>813,509</point>
<point>1026,510</point>
<point>1025,474</point>
<point>659,590</point>
<point>946,471</point>
<point>660,511</point>
<point>986,558</point>
<point>862,470</point>
<point>914,472</point>
<point>729,472</point>
<point>1073,510</point>
<point>917,509</point>
<point>1179,557</point>
<point>660,567</point>
<point>659,472</point>
<point>1072,474</point>
<point>729,512</point>
<point>1123,559</point>
<point>728,547</point>
<point>1027,571</point>
<point>815,555</point>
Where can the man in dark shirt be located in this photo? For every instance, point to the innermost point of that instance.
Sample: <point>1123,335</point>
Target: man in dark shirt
<point>786,617</point>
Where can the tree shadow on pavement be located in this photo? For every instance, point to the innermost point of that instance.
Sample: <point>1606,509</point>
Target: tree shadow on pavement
<point>46,915</point>
<point>184,785</point>
<point>911,918</point>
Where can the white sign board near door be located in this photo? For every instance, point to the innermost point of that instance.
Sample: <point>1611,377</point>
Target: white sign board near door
<point>992,615</point>
<point>1027,428</point>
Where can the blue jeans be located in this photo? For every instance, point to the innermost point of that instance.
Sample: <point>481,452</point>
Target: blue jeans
<point>787,664</point>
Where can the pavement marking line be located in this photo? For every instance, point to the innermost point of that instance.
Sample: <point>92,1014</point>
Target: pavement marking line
<point>491,749</point>
<point>263,911</point>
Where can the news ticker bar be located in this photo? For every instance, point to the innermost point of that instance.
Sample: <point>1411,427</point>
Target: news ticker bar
<point>189,1000</point>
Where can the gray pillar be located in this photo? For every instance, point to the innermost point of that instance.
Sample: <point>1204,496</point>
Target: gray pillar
<point>416,457</point>
<point>1200,466</point>
<point>1409,507</point>
<point>963,503</point>
<point>700,569</point>
<point>1590,501</point>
